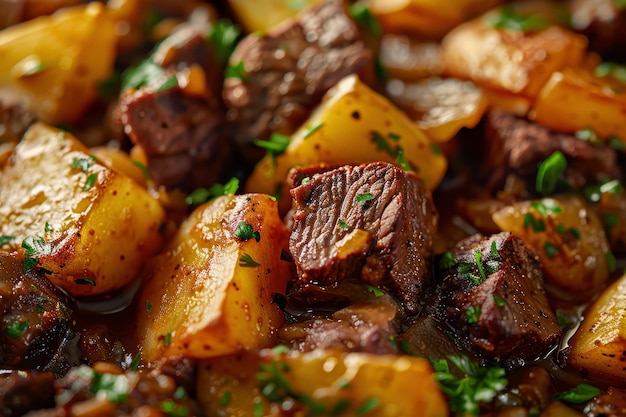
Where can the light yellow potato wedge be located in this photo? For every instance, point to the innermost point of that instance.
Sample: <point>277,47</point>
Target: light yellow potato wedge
<point>574,99</point>
<point>121,162</point>
<point>569,239</point>
<point>599,344</point>
<point>325,381</point>
<point>510,61</point>
<point>210,292</point>
<point>353,125</point>
<point>255,18</point>
<point>426,18</point>
<point>53,64</point>
<point>89,228</point>
<point>409,59</point>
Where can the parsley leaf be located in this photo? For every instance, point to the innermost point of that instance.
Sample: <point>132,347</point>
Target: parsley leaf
<point>311,129</point>
<point>237,71</point>
<point>113,387</point>
<point>473,314</point>
<point>368,406</point>
<point>276,145</point>
<point>578,395</point>
<point>4,239</point>
<point>202,195</point>
<point>500,302</point>
<point>223,36</point>
<point>550,249</point>
<point>509,19</point>
<point>245,232</point>
<point>246,261</point>
<point>364,18</point>
<point>343,225</point>
<point>447,260</point>
<point>549,171</point>
<point>85,281</point>
<point>16,329</point>
<point>363,198</point>
<point>90,181</point>
<point>83,163</point>
<point>374,290</point>
<point>145,73</point>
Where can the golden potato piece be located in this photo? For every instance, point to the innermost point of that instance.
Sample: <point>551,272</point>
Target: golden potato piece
<point>569,239</point>
<point>507,60</point>
<point>53,64</point>
<point>88,227</point>
<point>408,59</point>
<point>210,292</point>
<point>599,345</point>
<point>574,99</point>
<point>255,18</point>
<point>353,125</point>
<point>324,382</point>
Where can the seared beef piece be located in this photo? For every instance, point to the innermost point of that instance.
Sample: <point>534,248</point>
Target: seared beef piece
<point>182,136</point>
<point>22,391</point>
<point>604,23</point>
<point>491,297</point>
<point>373,221</point>
<point>367,327</point>
<point>15,119</point>
<point>287,72</point>
<point>11,12</point>
<point>610,404</point>
<point>517,146</point>
<point>34,318</point>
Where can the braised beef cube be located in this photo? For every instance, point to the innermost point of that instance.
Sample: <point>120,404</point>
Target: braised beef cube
<point>367,327</point>
<point>286,72</point>
<point>490,295</point>
<point>22,391</point>
<point>517,146</point>
<point>34,317</point>
<point>612,403</point>
<point>604,24</point>
<point>182,136</point>
<point>375,222</point>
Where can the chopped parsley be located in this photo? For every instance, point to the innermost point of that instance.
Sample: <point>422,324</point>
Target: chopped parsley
<point>225,398</point>
<point>237,71</point>
<point>365,19</point>
<point>578,395</point>
<point>546,207</point>
<point>147,72</point>
<point>275,145</point>
<point>113,387</point>
<point>395,151</point>
<point>368,406</point>
<point>404,164</point>
<point>85,281</point>
<point>223,36</point>
<point>436,149</point>
<point>479,385</point>
<point>363,198</point>
<point>538,225</point>
<point>478,258</point>
<point>167,340</point>
<point>246,261</point>
<point>620,4</point>
<point>509,19</point>
<point>312,129</point>
<point>4,239</point>
<point>144,170</point>
<point>611,263</point>
<point>16,329</point>
<point>202,195</point>
<point>374,290</point>
<point>500,302</point>
<point>593,193</point>
<point>245,232</point>
<point>90,181</point>
<point>610,220</point>
<point>473,314</point>
<point>343,225</point>
<point>83,163</point>
<point>447,260</point>
<point>134,364</point>
<point>148,306</point>
<point>611,69</point>
<point>174,410</point>
<point>550,249</point>
<point>305,180</point>
<point>30,263</point>
<point>616,143</point>
<point>47,227</point>
<point>170,82</point>
<point>549,173</point>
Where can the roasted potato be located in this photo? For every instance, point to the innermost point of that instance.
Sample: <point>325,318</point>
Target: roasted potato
<point>352,125</point>
<point>210,292</point>
<point>569,239</point>
<point>513,61</point>
<point>319,382</point>
<point>255,18</point>
<point>599,345</point>
<point>600,104</point>
<point>53,64</point>
<point>87,227</point>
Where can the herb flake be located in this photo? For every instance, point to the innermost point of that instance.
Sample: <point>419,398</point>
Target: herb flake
<point>244,232</point>
<point>246,261</point>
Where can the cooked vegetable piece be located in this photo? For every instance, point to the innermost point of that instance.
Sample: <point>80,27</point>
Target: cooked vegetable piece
<point>273,12</point>
<point>409,59</point>
<point>356,125</point>
<point>210,292</point>
<point>569,239</point>
<point>599,344</point>
<point>319,382</point>
<point>88,227</point>
<point>509,61</point>
<point>600,104</point>
<point>73,51</point>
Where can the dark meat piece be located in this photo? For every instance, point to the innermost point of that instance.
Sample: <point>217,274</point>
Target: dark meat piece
<point>15,119</point>
<point>34,318</point>
<point>604,23</point>
<point>610,404</point>
<point>518,146</point>
<point>369,327</point>
<point>11,12</point>
<point>491,296</point>
<point>373,221</point>
<point>288,71</point>
<point>22,391</point>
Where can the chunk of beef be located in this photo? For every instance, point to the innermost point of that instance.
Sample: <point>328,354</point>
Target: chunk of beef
<point>491,297</point>
<point>22,391</point>
<point>15,119</point>
<point>604,23</point>
<point>287,72</point>
<point>517,146</point>
<point>375,222</point>
<point>610,404</point>
<point>34,318</point>
<point>367,327</point>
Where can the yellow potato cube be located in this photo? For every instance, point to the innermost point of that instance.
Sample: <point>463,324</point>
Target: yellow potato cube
<point>87,226</point>
<point>210,292</point>
<point>255,18</point>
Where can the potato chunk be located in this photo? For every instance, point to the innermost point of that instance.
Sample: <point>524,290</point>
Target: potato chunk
<point>599,345</point>
<point>87,227</point>
<point>507,60</point>
<point>570,240</point>
<point>353,125</point>
<point>255,18</point>
<point>574,99</point>
<point>320,383</point>
<point>53,64</point>
<point>210,292</point>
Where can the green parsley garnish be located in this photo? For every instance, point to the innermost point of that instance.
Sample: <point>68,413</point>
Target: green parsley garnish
<point>145,73</point>
<point>85,281</point>
<point>363,198</point>
<point>148,306</point>
<point>343,225</point>
<point>404,164</point>
<point>237,71</point>
<point>479,385</point>
<point>364,18</point>
<point>167,340</point>
<point>173,409</point>
<point>245,232</point>
<point>538,225</point>
<point>202,195</point>
<point>90,181</point>
<point>16,329</point>
<point>144,170</point>
<point>610,220</point>
<point>368,406</point>
<point>478,258</point>
<point>578,395</point>
<point>549,172</point>
<point>4,239</point>
<point>606,69</point>
<point>587,135</point>
<point>499,301</point>
<point>616,143</point>
<point>276,145</point>
<point>550,249</point>
<point>83,163</point>
<point>225,398</point>
<point>305,180</point>
<point>246,261</point>
<point>546,207</point>
<point>436,149</point>
<point>223,36</point>
<point>374,290</point>
<point>611,263</point>
<point>311,129</point>
<point>258,408</point>
<point>509,19</point>
<point>447,260</point>
<point>593,193</point>
<point>620,4</point>
<point>30,263</point>
<point>473,314</point>
<point>170,82</point>
<point>134,364</point>
<point>113,387</point>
